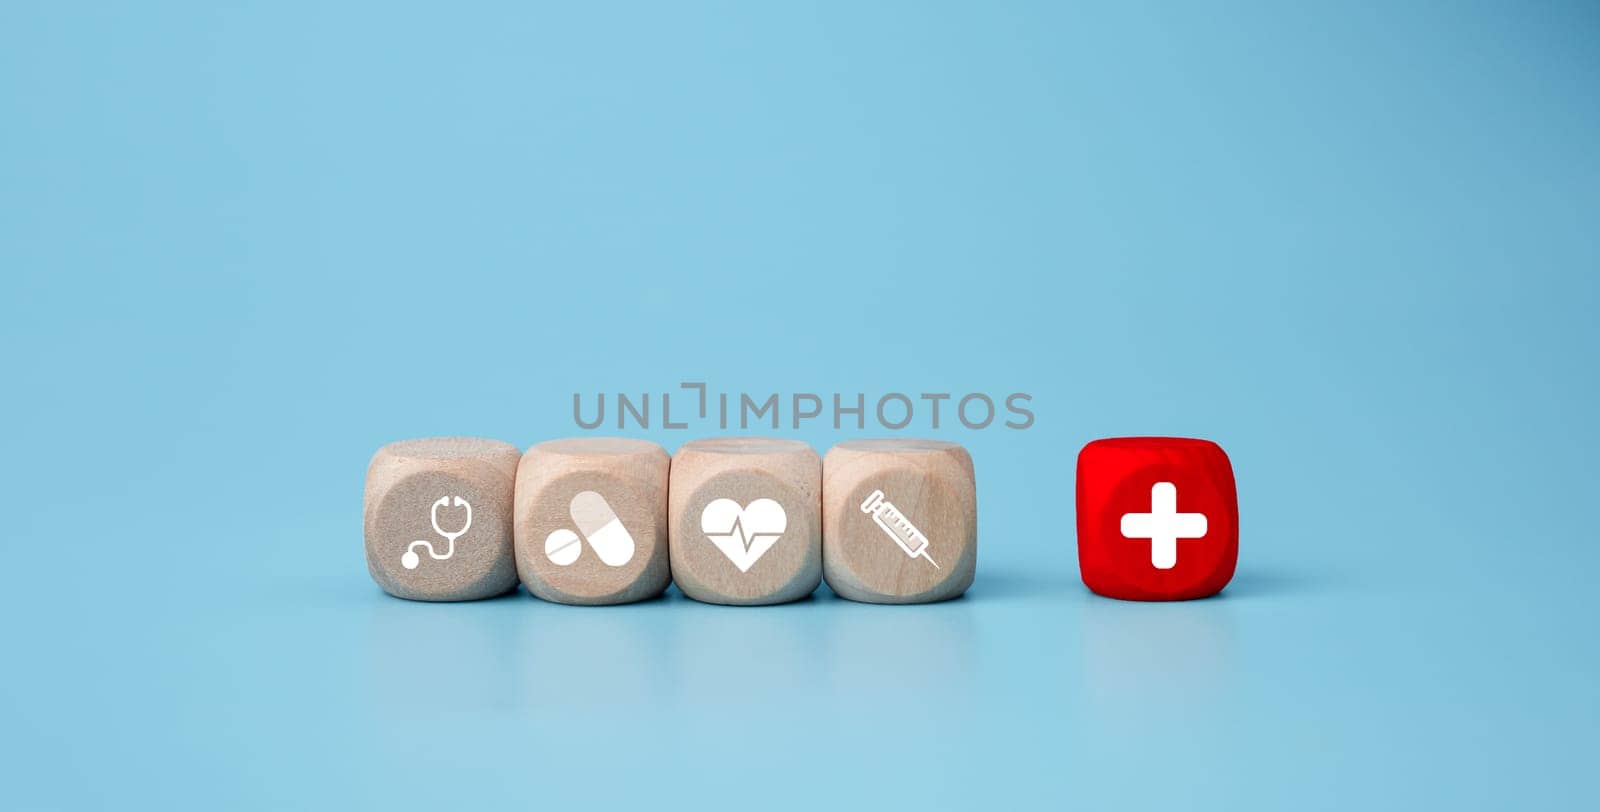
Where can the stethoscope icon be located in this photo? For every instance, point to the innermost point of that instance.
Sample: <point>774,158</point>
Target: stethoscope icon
<point>409,559</point>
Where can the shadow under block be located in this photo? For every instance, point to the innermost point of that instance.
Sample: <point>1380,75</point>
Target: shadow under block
<point>745,519</point>
<point>591,520</point>
<point>437,518</point>
<point>899,520</point>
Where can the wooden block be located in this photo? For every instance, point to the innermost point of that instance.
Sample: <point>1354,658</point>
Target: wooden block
<point>745,520</point>
<point>899,520</point>
<point>437,518</point>
<point>591,520</point>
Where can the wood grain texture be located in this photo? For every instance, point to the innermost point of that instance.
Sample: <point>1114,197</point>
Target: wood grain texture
<point>404,481</point>
<point>931,483</point>
<point>556,486</point>
<point>745,471</point>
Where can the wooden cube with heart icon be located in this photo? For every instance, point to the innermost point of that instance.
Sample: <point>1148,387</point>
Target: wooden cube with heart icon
<point>899,520</point>
<point>745,520</point>
<point>437,518</point>
<point>591,520</point>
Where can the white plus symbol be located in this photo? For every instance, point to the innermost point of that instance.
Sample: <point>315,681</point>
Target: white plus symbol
<point>1163,525</point>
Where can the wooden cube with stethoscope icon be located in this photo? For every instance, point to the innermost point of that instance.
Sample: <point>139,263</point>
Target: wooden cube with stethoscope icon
<point>437,518</point>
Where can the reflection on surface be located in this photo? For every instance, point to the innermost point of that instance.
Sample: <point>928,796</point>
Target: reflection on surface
<point>587,657</point>
<point>522,653</point>
<point>921,654</point>
<point>1151,658</point>
<point>741,655</point>
<point>437,656</point>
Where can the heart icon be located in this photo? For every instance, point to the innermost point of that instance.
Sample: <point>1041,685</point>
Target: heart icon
<point>744,534</point>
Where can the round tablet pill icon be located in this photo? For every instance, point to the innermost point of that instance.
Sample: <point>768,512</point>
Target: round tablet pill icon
<point>563,547</point>
<point>600,527</point>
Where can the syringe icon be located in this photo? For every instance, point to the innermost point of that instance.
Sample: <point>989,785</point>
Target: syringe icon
<point>898,527</point>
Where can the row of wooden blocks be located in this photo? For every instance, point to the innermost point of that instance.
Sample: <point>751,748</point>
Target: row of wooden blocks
<point>742,521</point>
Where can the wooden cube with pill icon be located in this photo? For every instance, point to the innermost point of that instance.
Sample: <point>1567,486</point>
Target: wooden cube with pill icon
<point>899,520</point>
<point>437,518</point>
<point>591,520</point>
<point>745,520</point>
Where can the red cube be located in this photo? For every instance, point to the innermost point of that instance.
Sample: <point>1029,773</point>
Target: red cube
<point>1158,518</point>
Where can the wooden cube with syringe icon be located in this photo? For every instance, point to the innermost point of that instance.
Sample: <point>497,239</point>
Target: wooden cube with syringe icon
<point>899,520</point>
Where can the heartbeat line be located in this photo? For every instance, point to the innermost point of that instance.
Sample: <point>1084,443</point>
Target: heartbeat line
<point>737,531</point>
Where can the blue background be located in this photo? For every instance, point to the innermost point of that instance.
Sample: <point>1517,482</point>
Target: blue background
<point>242,248</point>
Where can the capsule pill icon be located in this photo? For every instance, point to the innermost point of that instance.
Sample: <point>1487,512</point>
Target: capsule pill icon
<point>599,526</point>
